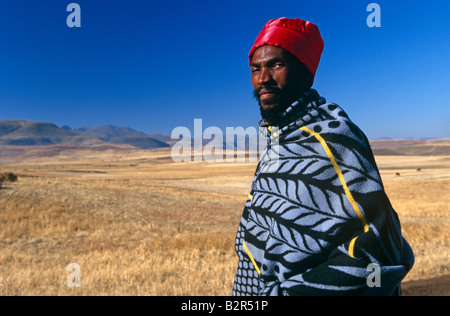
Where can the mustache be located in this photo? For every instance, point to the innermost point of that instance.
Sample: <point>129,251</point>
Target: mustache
<point>265,89</point>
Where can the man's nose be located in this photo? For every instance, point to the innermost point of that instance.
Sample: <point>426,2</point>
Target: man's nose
<point>264,76</point>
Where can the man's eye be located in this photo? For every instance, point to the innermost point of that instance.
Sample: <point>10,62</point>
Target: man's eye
<point>255,69</point>
<point>278,65</point>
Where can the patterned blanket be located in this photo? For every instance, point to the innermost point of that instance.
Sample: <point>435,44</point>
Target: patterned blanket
<point>319,223</point>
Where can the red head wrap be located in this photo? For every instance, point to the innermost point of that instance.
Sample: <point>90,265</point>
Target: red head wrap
<point>300,38</point>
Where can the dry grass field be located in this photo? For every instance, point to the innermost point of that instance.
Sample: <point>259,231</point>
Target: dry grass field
<point>138,224</point>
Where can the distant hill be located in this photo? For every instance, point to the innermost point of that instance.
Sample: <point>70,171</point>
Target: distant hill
<point>28,133</point>
<point>124,135</point>
<point>411,147</point>
<point>144,142</point>
<point>164,138</point>
<point>107,132</point>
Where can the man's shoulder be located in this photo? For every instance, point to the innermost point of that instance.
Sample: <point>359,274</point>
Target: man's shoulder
<point>337,138</point>
<point>328,124</point>
<point>334,131</point>
<point>335,124</point>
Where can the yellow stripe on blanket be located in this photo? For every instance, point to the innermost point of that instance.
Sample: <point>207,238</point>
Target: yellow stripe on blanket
<point>351,247</point>
<point>343,182</point>
<point>251,258</point>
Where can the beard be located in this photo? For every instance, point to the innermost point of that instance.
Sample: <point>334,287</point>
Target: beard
<point>272,115</point>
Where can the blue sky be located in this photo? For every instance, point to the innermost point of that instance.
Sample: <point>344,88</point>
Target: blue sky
<point>156,65</point>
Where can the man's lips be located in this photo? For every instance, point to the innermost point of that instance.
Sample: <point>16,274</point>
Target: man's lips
<point>267,94</point>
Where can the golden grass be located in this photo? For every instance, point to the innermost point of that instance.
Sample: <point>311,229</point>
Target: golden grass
<point>145,226</point>
<point>422,200</point>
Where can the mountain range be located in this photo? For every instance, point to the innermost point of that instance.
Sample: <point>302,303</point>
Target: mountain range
<point>29,133</point>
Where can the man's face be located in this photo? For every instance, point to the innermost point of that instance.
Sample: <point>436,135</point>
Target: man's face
<point>277,78</point>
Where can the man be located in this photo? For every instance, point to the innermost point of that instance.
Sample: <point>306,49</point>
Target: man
<point>320,223</point>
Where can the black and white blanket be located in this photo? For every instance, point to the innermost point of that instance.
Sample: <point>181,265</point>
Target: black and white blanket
<point>317,220</point>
